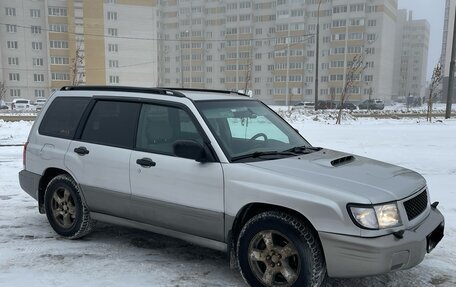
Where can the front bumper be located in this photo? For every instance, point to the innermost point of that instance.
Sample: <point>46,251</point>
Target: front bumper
<point>351,256</point>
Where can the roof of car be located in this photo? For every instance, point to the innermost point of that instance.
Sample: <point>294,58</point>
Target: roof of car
<point>191,93</point>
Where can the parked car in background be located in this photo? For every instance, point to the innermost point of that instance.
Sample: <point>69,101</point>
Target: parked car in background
<point>324,105</point>
<point>21,105</point>
<point>4,107</point>
<point>347,106</point>
<point>372,104</point>
<point>304,105</point>
<point>39,104</point>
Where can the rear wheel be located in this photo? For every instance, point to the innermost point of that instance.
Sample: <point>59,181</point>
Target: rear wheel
<point>66,212</point>
<point>277,249</point>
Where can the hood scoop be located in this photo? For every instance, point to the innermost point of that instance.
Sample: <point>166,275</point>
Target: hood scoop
<point>342,160</point>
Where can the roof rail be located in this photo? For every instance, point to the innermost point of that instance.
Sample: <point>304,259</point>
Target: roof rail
<point>159,91</point>
<point>204,90</point>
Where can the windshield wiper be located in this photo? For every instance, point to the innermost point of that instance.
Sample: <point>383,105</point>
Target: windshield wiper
<point>303,149</point>
<point>262,153</point>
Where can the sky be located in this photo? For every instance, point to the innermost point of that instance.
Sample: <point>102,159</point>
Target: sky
<point>433,11</point>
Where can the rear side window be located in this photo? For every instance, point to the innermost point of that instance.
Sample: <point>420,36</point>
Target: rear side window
<point>62,117</point>
<point>112,123</point>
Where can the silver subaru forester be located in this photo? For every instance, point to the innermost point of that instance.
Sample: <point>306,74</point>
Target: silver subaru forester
<point>222,170</point>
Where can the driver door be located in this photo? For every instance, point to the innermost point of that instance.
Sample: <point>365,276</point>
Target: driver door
<point>172,192</point>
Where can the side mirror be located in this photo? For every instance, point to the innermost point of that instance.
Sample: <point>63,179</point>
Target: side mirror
<point>189,149</point>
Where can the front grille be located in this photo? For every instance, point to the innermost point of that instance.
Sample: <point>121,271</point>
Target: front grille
<point>416,205</point>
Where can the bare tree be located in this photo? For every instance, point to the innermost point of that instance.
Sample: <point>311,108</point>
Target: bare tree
<point>434,89</point>
<point>76,62</point>
<point>2,91</point>
<point>355,68</point>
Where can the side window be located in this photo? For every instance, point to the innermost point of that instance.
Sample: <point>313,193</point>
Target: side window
<point>112,123</point>
<point>62,117</point>
<point>160,126</point>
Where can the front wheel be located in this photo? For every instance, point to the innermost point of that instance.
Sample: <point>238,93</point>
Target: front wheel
<point>277,249</point>
<point>66,212</point>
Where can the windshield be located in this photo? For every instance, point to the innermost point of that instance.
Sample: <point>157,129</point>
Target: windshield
<point>247,127</point>
<point>21,102</point>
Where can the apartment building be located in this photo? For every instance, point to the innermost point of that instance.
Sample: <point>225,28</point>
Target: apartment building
<point>51,43</point>
<point>269,46</point>
<point>445,58</point>
<point>24,65</point>
<point>412,46</point>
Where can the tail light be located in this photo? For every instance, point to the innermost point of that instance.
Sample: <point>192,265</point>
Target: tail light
<point>24,154</point>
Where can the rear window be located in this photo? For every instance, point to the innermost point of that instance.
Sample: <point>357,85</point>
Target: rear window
<point>62,117</point>
<point>22,102</point>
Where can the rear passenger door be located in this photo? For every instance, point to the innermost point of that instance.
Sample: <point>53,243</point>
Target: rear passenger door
<point>99,156</point>
<point>172,192</point>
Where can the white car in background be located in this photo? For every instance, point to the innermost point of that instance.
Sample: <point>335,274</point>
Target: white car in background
<point>39,104</point>
<point>21,105</point>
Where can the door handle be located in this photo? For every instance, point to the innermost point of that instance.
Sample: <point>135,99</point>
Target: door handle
<point>82,150</point>
<point>146,162</point>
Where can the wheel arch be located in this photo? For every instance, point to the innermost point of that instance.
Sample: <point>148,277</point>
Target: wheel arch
<point>249,211</point>
<point>47,176</point>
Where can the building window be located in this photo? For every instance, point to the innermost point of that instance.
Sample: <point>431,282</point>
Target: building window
<point>12,44</point>
<point>11,28</point>
<point>371,37</point>
<point>113,79</point>
<point>113,63</point>
<point>14,77</point>
<point>37,45</point>
<point>15,93</point>
<point>13,61</point>
<point>112,32</point>
<point>39,93</point>
<point>60,76</point>
<point>112,15</point>
<point>340,9</point>
<point>60,60</point>
<point>38,61</point>
<point>371,23</point>
<point>58,28</point>
<point>110,1</point>
<point>356,7</point>
<point>113,48</point>
<point>56,44</point>
<point>36,29</point>
<point>10,11</point>
<point>35,13</point>
<point>38,77</point>
<point>57,11</point>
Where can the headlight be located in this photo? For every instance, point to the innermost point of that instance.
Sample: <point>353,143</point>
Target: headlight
<point>376,216</point>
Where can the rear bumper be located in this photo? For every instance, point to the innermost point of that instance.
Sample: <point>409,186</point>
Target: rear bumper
<point>350,256</point>
<point>29,182</point>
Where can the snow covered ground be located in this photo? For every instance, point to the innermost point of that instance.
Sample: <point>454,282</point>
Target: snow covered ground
<point>31,254</point>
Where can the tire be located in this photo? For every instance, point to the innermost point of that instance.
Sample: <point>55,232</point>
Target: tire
<point>278,249</point>
<point>66,212</point>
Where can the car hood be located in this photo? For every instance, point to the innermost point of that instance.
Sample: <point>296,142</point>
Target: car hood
<point>371,179</point>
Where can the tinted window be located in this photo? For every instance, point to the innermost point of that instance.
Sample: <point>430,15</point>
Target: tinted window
<point>112,123</point>
<point>160,126</point>
<point>62,117</point>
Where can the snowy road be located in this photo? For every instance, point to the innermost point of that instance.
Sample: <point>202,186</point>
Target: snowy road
<point>31,254</point>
